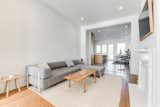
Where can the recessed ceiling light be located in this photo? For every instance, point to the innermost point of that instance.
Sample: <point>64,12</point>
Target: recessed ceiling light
<point>99,31</point>
<point>120,8</point>
<point>82,18</point>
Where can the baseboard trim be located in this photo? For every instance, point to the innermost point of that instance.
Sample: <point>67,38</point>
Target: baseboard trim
<point>12,91</point>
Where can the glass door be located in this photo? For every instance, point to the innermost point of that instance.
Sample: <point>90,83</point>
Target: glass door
<point>110,51</point>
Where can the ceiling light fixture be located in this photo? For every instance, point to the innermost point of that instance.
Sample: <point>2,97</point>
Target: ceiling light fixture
<point>82,18</point>
<point>99,31</point>
<point>120,8</point>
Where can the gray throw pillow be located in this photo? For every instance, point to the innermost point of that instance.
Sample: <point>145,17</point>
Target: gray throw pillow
<point>56,65</point>
<point>76,62</point>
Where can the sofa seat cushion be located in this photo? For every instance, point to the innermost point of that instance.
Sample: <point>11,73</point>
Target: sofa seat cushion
<point>81,66</point>
<point>74,68</point>
<point>64,71</point>
<point>97,67</point>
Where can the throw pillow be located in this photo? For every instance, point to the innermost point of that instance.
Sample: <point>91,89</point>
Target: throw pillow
<point>44,65</point>
<point>76,62</point>
<point>69,63</point>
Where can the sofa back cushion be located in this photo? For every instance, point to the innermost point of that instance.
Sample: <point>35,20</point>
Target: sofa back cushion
<point>76,62</point>
<point>56,65</point>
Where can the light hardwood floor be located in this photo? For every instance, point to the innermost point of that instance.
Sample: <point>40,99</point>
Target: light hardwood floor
<point>26,98</point>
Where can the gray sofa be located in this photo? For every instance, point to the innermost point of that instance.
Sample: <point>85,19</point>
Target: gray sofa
<point>42,78</point>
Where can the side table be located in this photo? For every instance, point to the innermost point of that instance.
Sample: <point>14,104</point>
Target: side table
<point>8,79</point>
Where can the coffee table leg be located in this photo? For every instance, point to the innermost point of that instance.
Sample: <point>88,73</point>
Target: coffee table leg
<point>7,88</point>
<point>69,83</point>
<point>84,86</point>
<point>94,77</point>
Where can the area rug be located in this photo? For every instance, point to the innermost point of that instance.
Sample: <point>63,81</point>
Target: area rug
<point>104,93</point>
<point>26,98</point>
<point>138,97</point>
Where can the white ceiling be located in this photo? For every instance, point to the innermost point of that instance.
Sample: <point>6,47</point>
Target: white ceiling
<point>111,33</point>
<point>94,10</point>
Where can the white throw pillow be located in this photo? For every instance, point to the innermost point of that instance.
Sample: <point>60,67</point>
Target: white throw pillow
<point>69,63</point>
<point>44,65</point>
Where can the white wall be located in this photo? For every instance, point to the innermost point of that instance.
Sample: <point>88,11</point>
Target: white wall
<point>33,32</point>
<point>83,44</point>
<point>12,52</point>
<point>155,95</point>
<point>50,37</point>
<point>151,43</point>
<point>157,74</point>
<point>12,31</point>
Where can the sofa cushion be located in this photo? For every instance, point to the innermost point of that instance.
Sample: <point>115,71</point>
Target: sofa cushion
<point>75,68</point>
<point>59,72</point>
<point>43,72</point>
<point>64,71</point>
<point>81,66</point>
<point>56,65</point>
<point>69,63</point>
<point>97,67</point>
<point>76,62</point>
<point>44,65</point>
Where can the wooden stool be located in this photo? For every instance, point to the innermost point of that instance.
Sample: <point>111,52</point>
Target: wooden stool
<point>7,81</point>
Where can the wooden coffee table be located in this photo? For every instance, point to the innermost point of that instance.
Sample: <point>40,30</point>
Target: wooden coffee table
<point>81,76</point>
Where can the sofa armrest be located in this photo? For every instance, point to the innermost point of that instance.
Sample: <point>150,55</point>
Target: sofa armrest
<point>39,71</point>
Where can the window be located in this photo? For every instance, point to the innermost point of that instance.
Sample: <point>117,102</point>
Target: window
<point>98,48</point>
<point>121,48</point>
<point>110,51</point>
<point>104,49</point>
